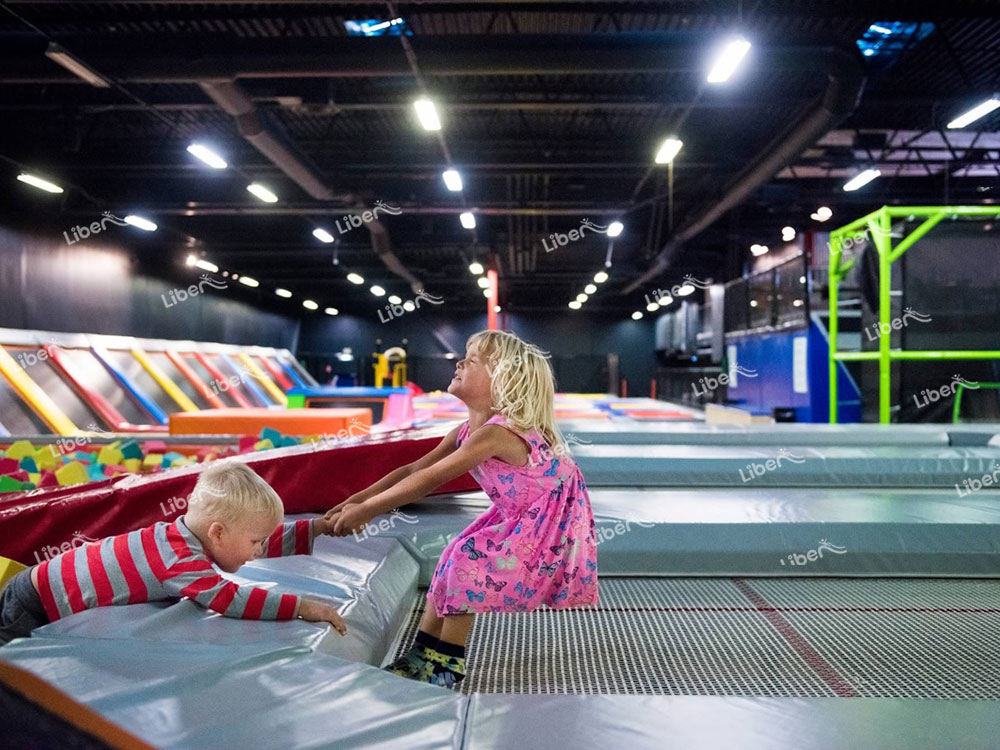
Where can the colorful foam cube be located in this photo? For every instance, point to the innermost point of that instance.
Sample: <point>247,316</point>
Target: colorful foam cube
<point>83,456</point>
<point>20,449</point>
<point>47,457</point>
<point>133,465</point>
<point>95,472</point>
<point>29,465</point>
<point>171,459</point>
<point>35,478</point>
<point>9,484</point>
<point>131,449</point>
<point>151,460</point>
<point>263,445</point>
<point>287,441</point>
<point>109,455</point>
<point>155,446</point>
<point>72,473</point>
<point>269,433</point>
<point>48,479</point>
<point>20,475</point>
<point>9,465</point>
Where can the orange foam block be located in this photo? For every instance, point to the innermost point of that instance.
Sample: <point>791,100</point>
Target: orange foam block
<point>285,421</point>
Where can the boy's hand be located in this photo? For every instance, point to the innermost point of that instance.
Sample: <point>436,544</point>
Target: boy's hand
<point>314,611</point>
<point>323,525</point>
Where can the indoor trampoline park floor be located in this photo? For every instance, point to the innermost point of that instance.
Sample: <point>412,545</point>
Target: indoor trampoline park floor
<point>779,637</point>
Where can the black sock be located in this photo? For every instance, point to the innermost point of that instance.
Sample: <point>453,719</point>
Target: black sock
<point>453,650</point>
<point>425,639</point>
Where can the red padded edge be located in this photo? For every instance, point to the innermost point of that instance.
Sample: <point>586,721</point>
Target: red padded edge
<point>35,523</point>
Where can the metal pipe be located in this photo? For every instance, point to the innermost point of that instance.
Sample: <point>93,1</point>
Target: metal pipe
<point>844,86</point>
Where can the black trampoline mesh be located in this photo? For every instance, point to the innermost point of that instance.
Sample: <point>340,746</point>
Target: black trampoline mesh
<point>907,638</point>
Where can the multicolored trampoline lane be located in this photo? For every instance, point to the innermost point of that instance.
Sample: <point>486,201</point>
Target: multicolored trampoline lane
<point>192,377</point>
<point>103,408</point>
<point>139,395</point>
<point>169,386</point>
<point>35,397</point>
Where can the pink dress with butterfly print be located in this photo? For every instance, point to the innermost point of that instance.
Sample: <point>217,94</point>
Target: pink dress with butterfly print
<point>535,545</point>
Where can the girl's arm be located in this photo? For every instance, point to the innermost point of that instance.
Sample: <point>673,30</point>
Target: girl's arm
<point>481,445</point>
<point>444,448</point>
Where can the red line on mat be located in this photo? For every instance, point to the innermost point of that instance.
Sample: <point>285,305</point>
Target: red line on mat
<point>795,639</point>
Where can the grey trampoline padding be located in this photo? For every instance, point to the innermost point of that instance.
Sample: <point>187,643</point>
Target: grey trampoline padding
<point>627,432</point>
<point>372,583</point>
<point>598,722</point>
<point>802,466</point>
<point>211,696</point>
<point>758,531</point>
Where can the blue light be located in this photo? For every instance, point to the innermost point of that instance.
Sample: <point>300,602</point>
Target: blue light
<point>885,41</point>
<point>377,27</point>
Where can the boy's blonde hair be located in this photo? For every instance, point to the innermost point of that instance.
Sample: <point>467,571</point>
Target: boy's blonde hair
<point>521,383</point>
<point>230,492</point>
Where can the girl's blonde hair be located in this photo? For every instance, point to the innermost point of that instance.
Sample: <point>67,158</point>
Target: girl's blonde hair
<point>231,492</point>
<point>521,383</point>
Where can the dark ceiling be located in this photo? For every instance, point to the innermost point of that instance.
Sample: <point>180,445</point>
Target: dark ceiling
<point>552,112</point>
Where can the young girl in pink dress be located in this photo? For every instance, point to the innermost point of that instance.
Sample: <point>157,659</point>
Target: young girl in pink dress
<point>535,545</point>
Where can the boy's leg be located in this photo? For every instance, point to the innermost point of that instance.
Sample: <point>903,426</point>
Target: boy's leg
<point>21,609</point>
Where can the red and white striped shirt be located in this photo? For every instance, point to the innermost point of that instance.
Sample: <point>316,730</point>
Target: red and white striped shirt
<point>164,561</point>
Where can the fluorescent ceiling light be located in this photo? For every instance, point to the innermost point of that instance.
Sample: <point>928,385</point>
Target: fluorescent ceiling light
<point>262,192</point>
<point>758,249</point>
<point>637,315</point>
<point>322,235</point>
<point>77,67</point>
<point>788,234</point>
<point>574,305</point>
<point>476,268</point>
<point>664,300</point>
<point>860,180</point>
<point>427,114</point>
<point>653,306</point>
<point>496,308</point>
<point>308,304</point>
<point>487,292</point>
<point>668,150</point>
<point>141,223</point>
<point>205,265</point>
<point>249,281</point>
<point>394,300</point>
<point>377,291</point>
<point>468,220</point>
<point>684,290</point>
<point>283,293</point>
<point>452,180</point>
<point>483,282</point>
<point>208,156</point>
<point>727,60</point>
<point>590,289</point>
<point>38,182</point>
<point>600,277</point>
<point>581,297</point>
<point>331,311</point>
<point>615,228</point>
<point>355,278</point>
<point>975,113</point>
<point>409,306</point>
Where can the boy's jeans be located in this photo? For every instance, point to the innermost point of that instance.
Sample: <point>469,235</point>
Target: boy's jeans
<point>21,609</point>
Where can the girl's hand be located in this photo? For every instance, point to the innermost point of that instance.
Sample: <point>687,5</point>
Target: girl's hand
<point>322,525</point>
<point>352,519</point>
<point>332,513</point>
